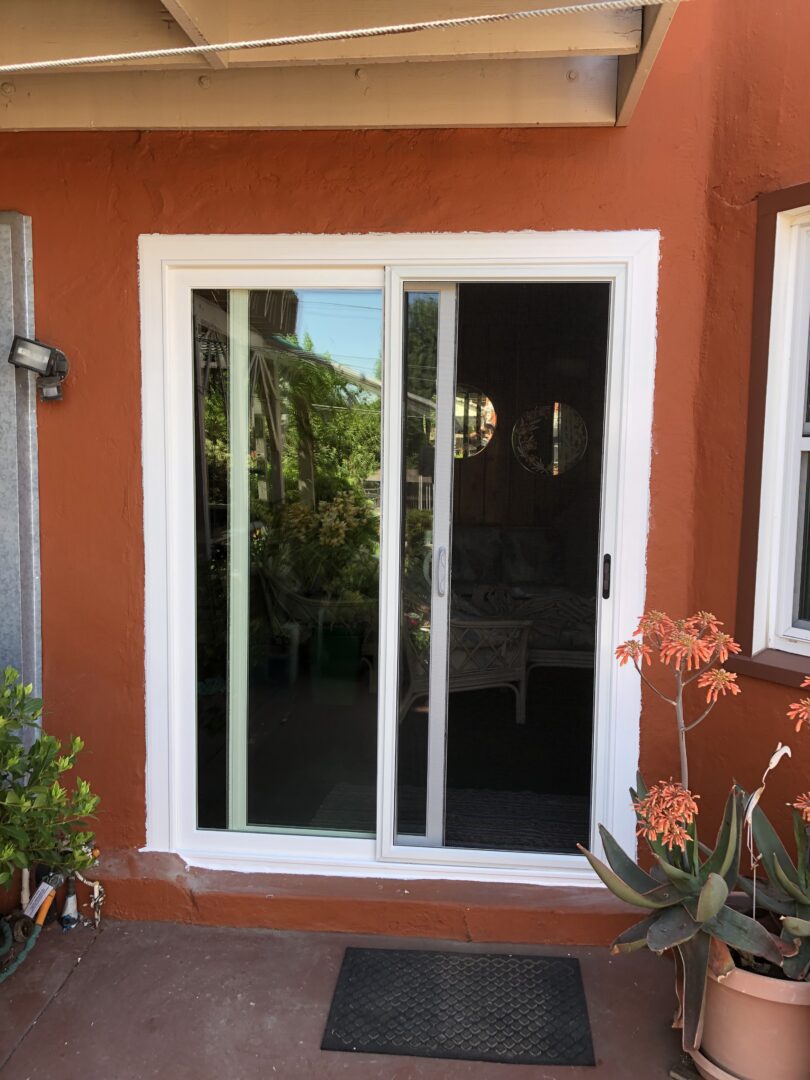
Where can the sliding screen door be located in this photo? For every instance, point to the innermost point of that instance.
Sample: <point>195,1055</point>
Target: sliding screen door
<point>503,399</point>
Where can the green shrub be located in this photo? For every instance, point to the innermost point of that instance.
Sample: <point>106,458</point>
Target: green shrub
<point>40,820</point>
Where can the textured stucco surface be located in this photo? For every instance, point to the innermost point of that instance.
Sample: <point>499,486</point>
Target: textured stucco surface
<point>20,638</point>
<point>723,118</point>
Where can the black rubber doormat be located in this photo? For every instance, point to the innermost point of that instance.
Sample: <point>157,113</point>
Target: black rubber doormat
<point>519,1010</point>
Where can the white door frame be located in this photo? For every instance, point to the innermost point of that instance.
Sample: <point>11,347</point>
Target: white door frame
<point>170,267</point>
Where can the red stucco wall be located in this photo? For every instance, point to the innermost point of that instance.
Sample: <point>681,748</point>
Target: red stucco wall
<point>723,118</point>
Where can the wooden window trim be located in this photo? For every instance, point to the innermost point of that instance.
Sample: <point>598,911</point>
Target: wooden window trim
<point>773,665</point>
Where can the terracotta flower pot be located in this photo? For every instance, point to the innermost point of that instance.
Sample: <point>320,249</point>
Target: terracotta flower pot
<point>755,1028</point>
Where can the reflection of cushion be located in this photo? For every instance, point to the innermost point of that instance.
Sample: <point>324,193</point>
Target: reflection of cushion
<point>560,619</point>
<point>525,557</point>
<point>476,554</point>
<point>531,557</point>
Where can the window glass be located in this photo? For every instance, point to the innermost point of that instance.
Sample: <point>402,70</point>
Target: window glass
<point>287,425</point>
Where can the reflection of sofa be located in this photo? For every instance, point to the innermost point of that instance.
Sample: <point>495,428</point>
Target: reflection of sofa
<point>527,573</point>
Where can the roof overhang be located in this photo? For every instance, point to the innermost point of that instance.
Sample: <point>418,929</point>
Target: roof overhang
<point>583,68</point>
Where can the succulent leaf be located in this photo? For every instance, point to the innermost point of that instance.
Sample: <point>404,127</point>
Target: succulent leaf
<point>672,927</point>
<point>627,869</point>
<point>693,847</point>
<point>790,887</point>
<point>771,848</point>
<point>641,788</point>
<point>635,937</point>
<point>798,967</point>
<point>780,905</point>
<point>746,935</point>
<point>796,927</point>
<point>687,883</point>
<point>725,859</point>
<point>660,897</point>
<point>712,897</point>
<point>800,834</point>
<point>694,955</point>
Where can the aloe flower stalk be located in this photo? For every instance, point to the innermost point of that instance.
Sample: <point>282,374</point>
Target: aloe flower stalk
<point>694,648</point>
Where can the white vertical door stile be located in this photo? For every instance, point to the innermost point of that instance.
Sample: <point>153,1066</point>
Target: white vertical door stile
<point>238,552</point>
<point>440,599</point>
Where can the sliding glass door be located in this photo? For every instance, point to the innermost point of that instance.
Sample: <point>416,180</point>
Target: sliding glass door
<point>474,652</point>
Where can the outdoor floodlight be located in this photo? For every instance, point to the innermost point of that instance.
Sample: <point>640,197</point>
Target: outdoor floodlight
<point>47,363</point>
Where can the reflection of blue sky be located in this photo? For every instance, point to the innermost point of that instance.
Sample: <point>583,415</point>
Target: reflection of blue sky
<point>345,323</point>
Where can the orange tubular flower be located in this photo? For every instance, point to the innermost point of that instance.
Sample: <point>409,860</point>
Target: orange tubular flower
<point>681,646</point>
<point>806,682</point>
<point>704,622</point>
<point>655,625</point>
<point>802,804</point>
<point>800,711</point>
<point>633,650</point>
<point>718,681</point>
<point>723,644</point>
<point>665,812</point>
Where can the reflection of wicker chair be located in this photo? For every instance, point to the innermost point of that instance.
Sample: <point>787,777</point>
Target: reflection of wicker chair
<point>481,653</point>
<point>315,613</point>
<point>306,617</point>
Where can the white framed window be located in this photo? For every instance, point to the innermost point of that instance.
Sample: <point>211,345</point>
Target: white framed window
<point>177,274</point>
<point>782,603</point>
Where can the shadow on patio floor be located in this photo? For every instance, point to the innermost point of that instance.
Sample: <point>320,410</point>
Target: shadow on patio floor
<point>145,1000</point>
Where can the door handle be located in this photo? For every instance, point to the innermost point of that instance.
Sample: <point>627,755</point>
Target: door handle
<point>606,577</point>
<point>441,571</point>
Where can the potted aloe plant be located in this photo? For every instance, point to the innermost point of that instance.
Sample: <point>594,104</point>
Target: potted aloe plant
<point>742,965</point>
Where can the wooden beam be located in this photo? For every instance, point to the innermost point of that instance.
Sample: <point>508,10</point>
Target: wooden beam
<point>549,93</point>
<point>205,22</point>
<point>634,70</point>
<point>591,34</point>
<point>53,29</point>
<point>45,29</point>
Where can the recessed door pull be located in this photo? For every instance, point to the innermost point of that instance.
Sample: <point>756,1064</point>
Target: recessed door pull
<point>606,577</point>
<point>441,571</point>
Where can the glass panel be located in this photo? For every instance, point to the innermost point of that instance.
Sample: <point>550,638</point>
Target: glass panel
<point>525,555</point>
<point>418,455</point>
<point>287,415</point>
<point>801,613</point>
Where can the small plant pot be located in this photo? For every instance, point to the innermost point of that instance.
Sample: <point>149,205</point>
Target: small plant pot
<point>754,1028</point>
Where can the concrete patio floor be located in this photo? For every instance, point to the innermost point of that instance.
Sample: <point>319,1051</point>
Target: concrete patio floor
<point>140,1000</point>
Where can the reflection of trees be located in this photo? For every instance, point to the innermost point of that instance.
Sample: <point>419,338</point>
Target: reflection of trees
<point>330,436</point>
<point>420,375</point>
<point>314,440</point>
<point>419,437</point>
<point>313,432</point>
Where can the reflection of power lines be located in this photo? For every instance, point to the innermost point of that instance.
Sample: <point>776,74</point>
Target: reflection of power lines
<point>303,301</point>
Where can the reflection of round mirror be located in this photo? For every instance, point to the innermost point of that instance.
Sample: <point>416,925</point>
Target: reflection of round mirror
<point>550,439</point>
<point>475,422</point>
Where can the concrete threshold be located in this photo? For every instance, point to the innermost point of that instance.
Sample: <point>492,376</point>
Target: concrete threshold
<point>146,885</point>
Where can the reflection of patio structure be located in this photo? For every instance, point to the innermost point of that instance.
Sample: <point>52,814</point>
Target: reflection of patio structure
<point>272,318</point>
